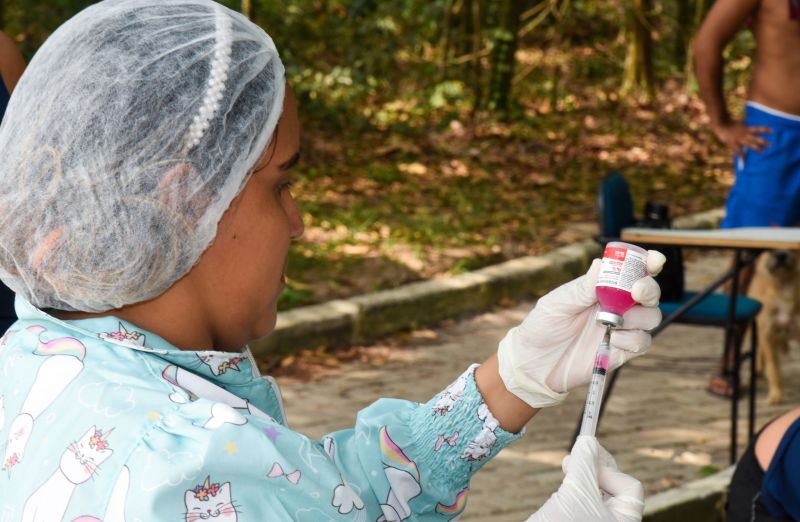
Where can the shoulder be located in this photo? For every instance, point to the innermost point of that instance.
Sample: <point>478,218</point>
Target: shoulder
<point>771,437</point>
<point>725,19</point>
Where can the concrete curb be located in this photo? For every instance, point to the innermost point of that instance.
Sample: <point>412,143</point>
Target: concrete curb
<point>369,317</point>
<point>700,500</point>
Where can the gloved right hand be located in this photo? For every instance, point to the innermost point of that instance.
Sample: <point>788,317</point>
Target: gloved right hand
<point>593,490</point>
<point>553,350</point>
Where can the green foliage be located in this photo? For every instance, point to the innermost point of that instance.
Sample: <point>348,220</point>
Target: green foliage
<point>342,53</point>
<point>349,60</point>
<point>345,55</point>
<point>446,93</point>
<point>31,22</point>
<point>294,296</point>
<point>707,471</point>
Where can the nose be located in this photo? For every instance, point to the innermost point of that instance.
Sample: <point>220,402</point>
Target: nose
<point>781,258</point>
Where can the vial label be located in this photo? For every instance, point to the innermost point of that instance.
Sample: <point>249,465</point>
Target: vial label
<point>621,268</point>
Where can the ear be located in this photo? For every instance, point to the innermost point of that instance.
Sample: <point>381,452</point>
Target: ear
<point>89,433</point>
<point>225,490</point>
<point>188,497</point>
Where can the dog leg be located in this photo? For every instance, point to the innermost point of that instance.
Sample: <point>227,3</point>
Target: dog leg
<point>772,369</point>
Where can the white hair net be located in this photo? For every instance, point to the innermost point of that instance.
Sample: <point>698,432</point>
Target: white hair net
<point>133,128</point>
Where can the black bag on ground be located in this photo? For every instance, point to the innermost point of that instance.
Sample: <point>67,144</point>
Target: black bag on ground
<point>656,215</point>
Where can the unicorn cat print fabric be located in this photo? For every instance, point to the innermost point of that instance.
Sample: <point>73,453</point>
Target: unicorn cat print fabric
<point>78,464</point>
<point>101,421</point>
<point>210,501</point>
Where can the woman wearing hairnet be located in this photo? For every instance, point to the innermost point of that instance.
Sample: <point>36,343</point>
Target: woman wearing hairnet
<point>145,218</point>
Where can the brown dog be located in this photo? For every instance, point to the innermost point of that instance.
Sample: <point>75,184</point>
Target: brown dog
<point>775,284</point>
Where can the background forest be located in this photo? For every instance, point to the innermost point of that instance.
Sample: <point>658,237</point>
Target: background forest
<point>445,135</point>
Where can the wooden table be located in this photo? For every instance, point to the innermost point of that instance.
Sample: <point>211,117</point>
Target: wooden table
<point>747,242</point>
<point>749,238</point>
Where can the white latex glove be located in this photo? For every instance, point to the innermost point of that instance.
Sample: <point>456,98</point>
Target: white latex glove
<point>553,350</point>
<point>593,490</point>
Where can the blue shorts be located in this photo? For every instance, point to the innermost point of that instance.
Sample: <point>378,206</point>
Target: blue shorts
<point>767,187</point>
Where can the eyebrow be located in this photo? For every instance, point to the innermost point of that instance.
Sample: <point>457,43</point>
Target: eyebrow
<point>291,162</point>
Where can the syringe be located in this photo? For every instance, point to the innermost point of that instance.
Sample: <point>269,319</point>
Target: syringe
<point>593,401</point>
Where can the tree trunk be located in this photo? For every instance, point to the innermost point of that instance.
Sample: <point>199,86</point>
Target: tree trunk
<point>504,48</point>
<point>445,40</point>
<point>700,8</point>
<point>253,10</point>
<point>477,69</point>
<point>638,75</point>
<point>247,8</point>
<point>468,27</point>
<point>683,32</point>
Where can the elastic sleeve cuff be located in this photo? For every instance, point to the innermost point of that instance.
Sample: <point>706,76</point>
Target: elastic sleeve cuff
<point>456,430</point>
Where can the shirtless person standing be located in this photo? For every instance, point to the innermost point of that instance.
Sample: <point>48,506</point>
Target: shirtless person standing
<point>766,144</point>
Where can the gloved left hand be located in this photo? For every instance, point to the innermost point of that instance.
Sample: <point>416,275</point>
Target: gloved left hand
<point>553,350</point>
<point>593,490</point>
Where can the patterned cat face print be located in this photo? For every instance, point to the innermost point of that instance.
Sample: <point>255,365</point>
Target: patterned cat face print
<point>83,456</point>
<point>210,501</point>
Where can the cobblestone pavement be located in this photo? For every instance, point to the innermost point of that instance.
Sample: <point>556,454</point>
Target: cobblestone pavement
<point>660,423</point>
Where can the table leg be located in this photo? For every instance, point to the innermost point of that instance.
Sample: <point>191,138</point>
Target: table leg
<point>753,357</point>
<point>730,338</point>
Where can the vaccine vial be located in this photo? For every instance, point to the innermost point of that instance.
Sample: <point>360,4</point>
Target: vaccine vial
<point>623,264</point>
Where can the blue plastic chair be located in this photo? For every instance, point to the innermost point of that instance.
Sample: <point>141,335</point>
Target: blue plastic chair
<point>615,212</point>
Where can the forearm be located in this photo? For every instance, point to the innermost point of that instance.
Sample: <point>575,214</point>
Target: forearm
<point>509,410</point>
<point>723,21</point>
<point>708,67</point>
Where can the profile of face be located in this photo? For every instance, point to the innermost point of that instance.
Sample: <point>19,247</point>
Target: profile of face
<point>241,275</point>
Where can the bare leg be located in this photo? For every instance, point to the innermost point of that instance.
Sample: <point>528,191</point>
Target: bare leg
<point>745,277</point>
<point>720,381</point>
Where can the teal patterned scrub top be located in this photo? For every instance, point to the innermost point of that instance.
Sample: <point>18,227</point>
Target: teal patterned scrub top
<point>102,421</point>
